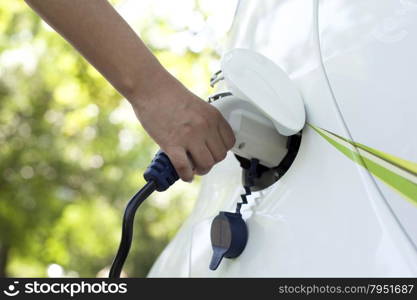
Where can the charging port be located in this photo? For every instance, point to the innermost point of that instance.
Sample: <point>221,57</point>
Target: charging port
<point>267,176</point>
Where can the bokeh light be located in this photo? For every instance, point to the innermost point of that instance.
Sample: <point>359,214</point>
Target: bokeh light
<point>71,149</point>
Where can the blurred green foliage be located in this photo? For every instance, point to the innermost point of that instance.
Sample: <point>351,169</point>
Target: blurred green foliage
<point>69,157</point>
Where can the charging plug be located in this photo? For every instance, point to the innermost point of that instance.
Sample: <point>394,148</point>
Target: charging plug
<point>161,171</point>
<point>160,175</point>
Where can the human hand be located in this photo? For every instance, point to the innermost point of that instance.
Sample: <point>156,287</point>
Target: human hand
<point>190,131</point>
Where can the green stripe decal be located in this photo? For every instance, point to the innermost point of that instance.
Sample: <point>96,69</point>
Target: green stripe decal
<point>397,173</point>
<point>399,162</point>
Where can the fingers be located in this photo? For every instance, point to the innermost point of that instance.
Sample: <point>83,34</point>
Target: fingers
<point>201,157</point>
<point>181,162</point>
<point>226,133</point>
<point>216,147</point>
<point>196,137</point>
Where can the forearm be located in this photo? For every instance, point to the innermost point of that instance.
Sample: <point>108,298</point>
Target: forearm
<point>192,132</point>
<point>98,32</point>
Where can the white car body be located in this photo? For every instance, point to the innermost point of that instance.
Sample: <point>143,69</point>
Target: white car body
<point>354,63</point>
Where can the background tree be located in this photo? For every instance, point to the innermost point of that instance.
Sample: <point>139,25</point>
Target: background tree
<point>72,153</point>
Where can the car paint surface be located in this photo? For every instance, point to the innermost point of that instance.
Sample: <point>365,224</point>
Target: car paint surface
<point>327,216</point>
<point>369,58</point>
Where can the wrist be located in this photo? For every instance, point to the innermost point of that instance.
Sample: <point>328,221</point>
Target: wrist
<point>157,87</point>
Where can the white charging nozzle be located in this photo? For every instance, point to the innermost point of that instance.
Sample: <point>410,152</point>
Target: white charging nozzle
<point>256,136</point>
<point>261,104</point>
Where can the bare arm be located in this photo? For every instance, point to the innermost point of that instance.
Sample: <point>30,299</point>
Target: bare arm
<point>193,134</point>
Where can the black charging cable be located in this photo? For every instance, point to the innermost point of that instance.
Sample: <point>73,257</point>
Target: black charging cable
<point>160,175</point>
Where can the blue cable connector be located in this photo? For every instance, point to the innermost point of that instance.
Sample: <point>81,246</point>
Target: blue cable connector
<point>160,175</point>
<point>161,171</point>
